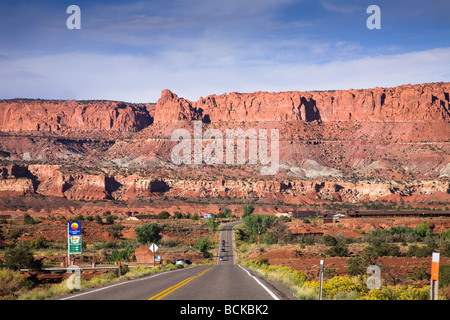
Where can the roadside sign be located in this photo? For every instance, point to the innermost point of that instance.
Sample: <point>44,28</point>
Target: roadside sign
<point>434,282</point>
<point>153,248</point>
<point>157,258</point>
<point>74,238</point>
<point>435,266</point>
<point>74,228</point>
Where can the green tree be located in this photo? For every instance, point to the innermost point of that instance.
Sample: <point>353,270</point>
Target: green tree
<point>423,229</point>
<point>27,219</point>
<point>21,256</point>
<point>204,245</point>
<point>212,224</point>
<point>148,233</point>
<point>248,210</point>
<point>258,224</point>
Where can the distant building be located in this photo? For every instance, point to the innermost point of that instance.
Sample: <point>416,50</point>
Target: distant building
<point>328,220</point>
<point>283,214</point>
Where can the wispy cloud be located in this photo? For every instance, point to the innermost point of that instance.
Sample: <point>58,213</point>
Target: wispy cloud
<point>340,6</point>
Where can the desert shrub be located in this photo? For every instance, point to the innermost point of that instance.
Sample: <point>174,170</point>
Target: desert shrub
<point>421,251</point>
<point>445,249</point>
<point>444,276</point>
<point>178,215</point>
<point>279,233</point>
<point>12,281</point>
<point>98,219</point>
<point>445,235</point>
<point>338,250</point>
<point>163,215</point>
<point>381,249</point>
<point>420,274</point>
<point>358,265</point>
<point>116,230</point>
<point>126,254</point>
<point>110,219</point>
<point>329,240</point>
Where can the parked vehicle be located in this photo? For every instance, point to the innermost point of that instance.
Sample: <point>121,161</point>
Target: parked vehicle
<point>180,261</point>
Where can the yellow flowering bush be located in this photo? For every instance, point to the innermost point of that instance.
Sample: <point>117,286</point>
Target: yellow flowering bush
<point>335,286</point>
<point>398,293</point>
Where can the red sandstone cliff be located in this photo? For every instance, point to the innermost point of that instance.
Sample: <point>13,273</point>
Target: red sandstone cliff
<point>422,102</point>
<point>53,116</point>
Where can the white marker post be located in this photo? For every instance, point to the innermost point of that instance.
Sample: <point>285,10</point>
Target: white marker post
<point>434,286</point>
<point>320,279</point>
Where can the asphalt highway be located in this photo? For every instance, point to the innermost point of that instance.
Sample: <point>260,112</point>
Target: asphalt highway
<point>222,281</point>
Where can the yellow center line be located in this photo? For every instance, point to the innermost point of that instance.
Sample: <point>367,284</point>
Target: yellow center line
<point>168,291</point>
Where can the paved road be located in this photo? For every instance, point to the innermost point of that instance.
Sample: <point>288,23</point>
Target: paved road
<point>222,281</point>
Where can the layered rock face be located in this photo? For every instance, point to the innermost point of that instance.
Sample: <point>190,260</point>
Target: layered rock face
<point>424,102</point>
<point>352,145</point>
<point>54,116</point>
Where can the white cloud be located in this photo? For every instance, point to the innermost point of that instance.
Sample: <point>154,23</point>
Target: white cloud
<point>140,79</point>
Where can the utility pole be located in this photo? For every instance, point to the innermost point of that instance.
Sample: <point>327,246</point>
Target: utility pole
<point>93,251</point>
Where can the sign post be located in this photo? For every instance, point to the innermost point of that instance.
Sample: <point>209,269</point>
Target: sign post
<point>153,248</point>
<point>73,239</point>
<point>434,286</point>
<point>320,279</point>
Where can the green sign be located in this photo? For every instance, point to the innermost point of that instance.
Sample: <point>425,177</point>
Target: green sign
<point>74,244</point>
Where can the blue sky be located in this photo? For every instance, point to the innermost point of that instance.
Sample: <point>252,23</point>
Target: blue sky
<point>131,50</point>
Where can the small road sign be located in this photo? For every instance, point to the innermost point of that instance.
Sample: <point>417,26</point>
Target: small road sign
<point>153,248</point>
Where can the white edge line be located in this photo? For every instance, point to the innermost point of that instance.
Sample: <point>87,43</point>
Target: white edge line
<point>261,284</point>
<point>121,283</point>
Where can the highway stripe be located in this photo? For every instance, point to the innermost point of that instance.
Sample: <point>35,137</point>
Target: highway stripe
<point>168,291</point>
<point>122,283</point>
<point>261,284</point>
